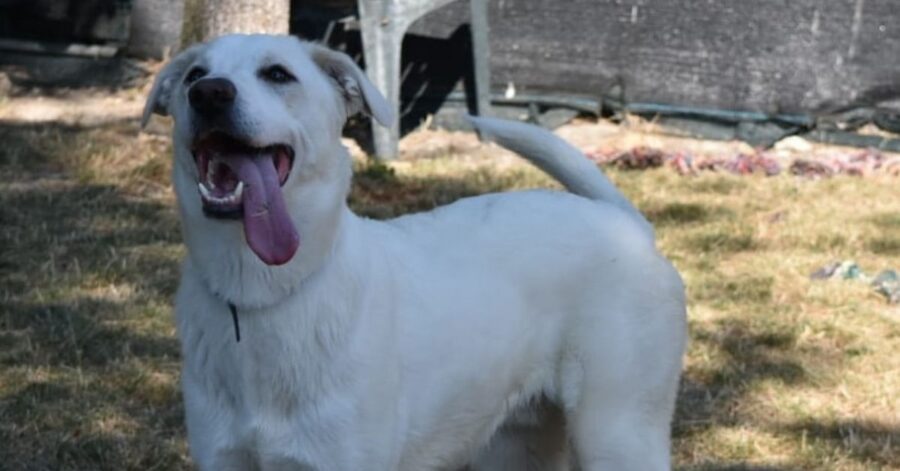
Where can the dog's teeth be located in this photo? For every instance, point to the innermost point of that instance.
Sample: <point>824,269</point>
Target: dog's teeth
<point>231,198</point>
<point>209,176</point>
<point>235,195</point>
<point>204,191</point>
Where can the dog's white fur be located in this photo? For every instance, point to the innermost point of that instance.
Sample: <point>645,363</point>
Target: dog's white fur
<point>499,332</point>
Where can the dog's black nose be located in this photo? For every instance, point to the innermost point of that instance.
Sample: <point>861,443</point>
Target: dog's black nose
<point>212,96</point>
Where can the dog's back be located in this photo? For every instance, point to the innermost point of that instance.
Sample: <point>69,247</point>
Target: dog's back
<point>560,160</point>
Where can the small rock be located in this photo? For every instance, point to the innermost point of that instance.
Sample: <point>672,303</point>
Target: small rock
<point>794,144</point>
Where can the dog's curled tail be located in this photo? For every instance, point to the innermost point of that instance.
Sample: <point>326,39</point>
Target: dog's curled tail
<point>559,159</point>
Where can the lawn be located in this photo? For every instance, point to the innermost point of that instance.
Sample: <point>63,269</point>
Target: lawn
<point>782,372</point>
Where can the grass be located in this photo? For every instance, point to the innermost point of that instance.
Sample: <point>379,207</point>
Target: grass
<point>782,372</point>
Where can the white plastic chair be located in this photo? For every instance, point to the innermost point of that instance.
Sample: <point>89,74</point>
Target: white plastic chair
<point>383,24</point>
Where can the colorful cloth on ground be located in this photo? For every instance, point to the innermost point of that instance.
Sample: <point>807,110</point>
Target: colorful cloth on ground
<point>886,282</point>
<point>862,163</point>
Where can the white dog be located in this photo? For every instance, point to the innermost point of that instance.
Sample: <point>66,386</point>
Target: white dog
<point>505,331</point>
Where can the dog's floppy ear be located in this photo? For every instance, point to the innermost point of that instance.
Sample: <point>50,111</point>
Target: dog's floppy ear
<point>360,96</point>
<point>168,77</point>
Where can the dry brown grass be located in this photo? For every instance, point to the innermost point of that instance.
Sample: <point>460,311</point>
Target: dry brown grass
<point>782,372</point>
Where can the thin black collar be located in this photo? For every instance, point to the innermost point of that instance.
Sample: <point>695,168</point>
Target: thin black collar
<point>234,317</point>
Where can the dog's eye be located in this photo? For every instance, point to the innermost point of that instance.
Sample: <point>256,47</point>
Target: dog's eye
<point>277,74</point>
<point>195,74</point>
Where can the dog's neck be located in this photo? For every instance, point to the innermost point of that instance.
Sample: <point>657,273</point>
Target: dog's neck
<point>232,272</point>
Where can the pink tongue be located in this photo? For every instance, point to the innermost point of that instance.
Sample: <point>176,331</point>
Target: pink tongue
<point>267,225</point>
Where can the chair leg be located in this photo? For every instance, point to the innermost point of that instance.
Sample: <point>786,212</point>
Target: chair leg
<point>382,36</point>
<point>481,58</point>
<point>382,39</point>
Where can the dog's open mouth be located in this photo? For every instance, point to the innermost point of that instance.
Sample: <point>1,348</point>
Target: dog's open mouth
<point>219,158</point>
<point>239,181</point>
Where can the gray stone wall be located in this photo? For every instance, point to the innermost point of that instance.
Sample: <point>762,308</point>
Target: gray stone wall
<point>774,56</point>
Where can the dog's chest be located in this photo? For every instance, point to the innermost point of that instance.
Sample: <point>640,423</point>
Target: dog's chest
<point>281,396</point>
<point>299,440</point>
<point>276,369</point>
<point>270,415</point>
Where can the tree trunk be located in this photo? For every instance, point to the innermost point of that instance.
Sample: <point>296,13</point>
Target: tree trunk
<point>207,19</point>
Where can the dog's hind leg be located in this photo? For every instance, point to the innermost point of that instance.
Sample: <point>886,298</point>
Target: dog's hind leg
<point>621,438</point>
<point>529,444</point>
<point>620,403</point>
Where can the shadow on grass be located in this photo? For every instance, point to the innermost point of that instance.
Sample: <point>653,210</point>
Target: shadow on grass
<point>88,365</point>
<point>718,186</point>
<point>70,424</point>
<point>52,147</point>
<point>379,193</point>
<point>886,221</point>
<point>753,353</point>
<point>679,214</point>
<point>80,334</point>
<point>723,291</point>
<point>888,243</point>
<point>711,399</point>
<point>722,242</point>
<point>867,441</point>
<point>884,245</point>
<point>57,231</point>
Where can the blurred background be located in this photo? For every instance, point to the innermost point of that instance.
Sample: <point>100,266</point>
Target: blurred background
<point>761,139</point>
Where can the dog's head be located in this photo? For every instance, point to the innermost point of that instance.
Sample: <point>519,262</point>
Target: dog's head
<point>257,123</point>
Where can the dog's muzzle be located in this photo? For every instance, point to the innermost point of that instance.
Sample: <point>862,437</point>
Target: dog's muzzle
<point>237,180</point>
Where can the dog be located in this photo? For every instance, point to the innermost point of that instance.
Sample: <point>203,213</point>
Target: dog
<point>536,330</point>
